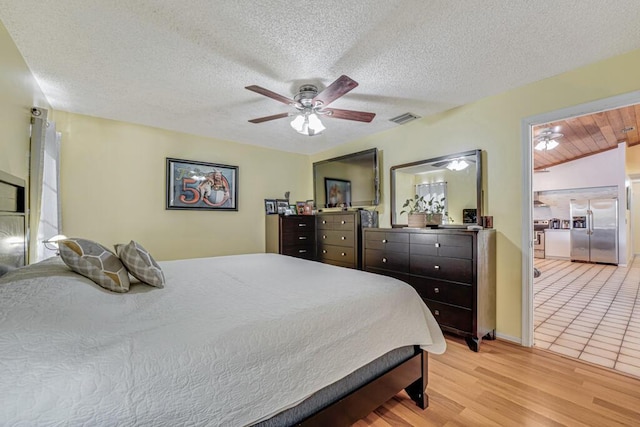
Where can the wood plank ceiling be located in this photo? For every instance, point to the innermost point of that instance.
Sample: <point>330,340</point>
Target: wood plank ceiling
<point>587,135</point>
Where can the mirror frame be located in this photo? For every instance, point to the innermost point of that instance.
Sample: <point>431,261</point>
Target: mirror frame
<point>477,153</point>
<point>376,178</point>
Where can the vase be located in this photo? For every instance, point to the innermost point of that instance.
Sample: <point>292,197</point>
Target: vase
<point>417,220</point>
<point>434,219</point>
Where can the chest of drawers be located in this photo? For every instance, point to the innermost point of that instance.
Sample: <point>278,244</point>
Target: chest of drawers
<point>453,270</point>
<point>338,238</point>
<point>293,235</point>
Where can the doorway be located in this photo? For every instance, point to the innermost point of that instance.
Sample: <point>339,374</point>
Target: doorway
<point>556,313</point>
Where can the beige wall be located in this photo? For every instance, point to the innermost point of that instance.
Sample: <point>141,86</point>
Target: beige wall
<point>19,92</point>
<point>494,125</point>
<point>113,188</point>
<point>113,180</point>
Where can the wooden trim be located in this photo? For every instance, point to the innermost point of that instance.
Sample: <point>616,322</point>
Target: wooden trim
<point>411,375</point>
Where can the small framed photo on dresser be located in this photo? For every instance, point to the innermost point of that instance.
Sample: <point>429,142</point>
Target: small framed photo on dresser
<point>270,206</point>
<point>282,205</point>
<point>300,207</point>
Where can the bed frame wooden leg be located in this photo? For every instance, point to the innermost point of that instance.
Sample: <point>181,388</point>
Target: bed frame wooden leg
<point>417,391</point>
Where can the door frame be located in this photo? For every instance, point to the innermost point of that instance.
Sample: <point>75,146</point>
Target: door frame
<point>527,125</point>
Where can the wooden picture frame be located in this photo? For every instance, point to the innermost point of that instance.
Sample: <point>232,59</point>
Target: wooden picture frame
<point>200,185</point>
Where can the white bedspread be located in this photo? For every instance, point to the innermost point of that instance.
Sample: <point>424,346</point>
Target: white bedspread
<point>229,341</point>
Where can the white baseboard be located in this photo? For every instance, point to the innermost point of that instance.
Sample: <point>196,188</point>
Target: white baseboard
<point>515,340</point>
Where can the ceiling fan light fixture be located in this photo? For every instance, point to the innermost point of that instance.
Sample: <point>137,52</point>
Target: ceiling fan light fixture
<point>307,124</point>
<point>457,165</point>
<point>546,144</point>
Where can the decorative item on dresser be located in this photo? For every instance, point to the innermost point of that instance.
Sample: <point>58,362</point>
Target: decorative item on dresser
<point>453,270</point>
<point>293,235</point>
<point>339,236</point>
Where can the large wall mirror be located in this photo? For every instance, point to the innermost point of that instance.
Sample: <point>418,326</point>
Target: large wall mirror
<point>457,177</point>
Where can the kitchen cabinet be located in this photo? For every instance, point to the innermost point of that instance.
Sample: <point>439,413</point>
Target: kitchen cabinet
<point>557,243</point>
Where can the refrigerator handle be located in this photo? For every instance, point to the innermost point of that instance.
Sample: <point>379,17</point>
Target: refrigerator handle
<point>589,221</point>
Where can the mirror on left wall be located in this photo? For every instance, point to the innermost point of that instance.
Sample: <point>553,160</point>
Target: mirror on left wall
<point>347,181</point>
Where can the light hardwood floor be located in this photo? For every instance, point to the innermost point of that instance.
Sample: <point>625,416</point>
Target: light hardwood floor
<point>508,385</point>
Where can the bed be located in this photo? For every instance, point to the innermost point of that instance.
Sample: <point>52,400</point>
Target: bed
<point>244,340</point>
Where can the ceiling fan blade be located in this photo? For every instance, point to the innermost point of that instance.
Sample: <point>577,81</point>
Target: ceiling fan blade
<point>335,90</point>
<point>267,118</point>
<point>270,94</point>
<point>359,116</point>
<point>440,164</point>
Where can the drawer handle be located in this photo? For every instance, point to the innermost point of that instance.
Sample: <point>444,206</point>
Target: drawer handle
<point>436,312</point>
<point>302,225</point>
<point>324,237</point>
<point>301,251</point>
<point>343,254</point>
<point>324,251</point>
<point>324,222</point>
<point>384,240</point>
<point>343,238</point>
<point>437,245</point>
<point>436,290</point>
<point>437,267</point>
<point>302,237</point>
<point>384,260</point>
<point>343,222</point>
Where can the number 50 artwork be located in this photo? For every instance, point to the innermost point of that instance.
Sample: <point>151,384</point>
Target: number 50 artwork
<point>199,185</point>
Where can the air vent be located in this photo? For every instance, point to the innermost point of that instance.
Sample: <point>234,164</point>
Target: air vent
<point>404,118</point>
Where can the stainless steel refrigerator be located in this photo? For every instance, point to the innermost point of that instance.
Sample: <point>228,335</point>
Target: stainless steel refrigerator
<point>594,230</point>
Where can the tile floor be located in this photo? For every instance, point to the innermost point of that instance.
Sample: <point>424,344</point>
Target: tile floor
<point>590,312</point>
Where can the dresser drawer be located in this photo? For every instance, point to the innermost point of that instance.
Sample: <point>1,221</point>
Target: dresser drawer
<point>295,223</point>
<point>297,238</point>
<point>450,293</point>
<point>455,246</point>
<point>448,315</point>
<point>299,251</point>
<point>386,260</point>
<point>395,274</point>
<point>337,253</point>
<point>394,242</point>
<point>423,239</point>
<point>336,237</point>
<point>343,223</point>
<point>455,269</point>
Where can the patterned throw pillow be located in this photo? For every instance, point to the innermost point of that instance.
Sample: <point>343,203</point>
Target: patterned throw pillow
<point>96,262</point>
<point>140,264</point>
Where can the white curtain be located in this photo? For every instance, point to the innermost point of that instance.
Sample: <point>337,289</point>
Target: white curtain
<point>44,186</point>
<point>436,189</point>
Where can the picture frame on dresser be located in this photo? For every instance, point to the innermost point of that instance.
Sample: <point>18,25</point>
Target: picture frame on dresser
<point>270,207</point>
<point>282,205</point>
<point>200,185</point>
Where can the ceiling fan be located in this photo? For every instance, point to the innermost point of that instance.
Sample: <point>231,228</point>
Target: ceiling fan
<point>310,104</point>
<point>546,139</point>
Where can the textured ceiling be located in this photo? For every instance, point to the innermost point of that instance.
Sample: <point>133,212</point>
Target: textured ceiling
<point>183,65</point>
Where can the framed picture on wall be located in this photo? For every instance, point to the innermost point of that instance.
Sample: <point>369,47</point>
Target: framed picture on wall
<point>337,192</point>
<point>199,185</point>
